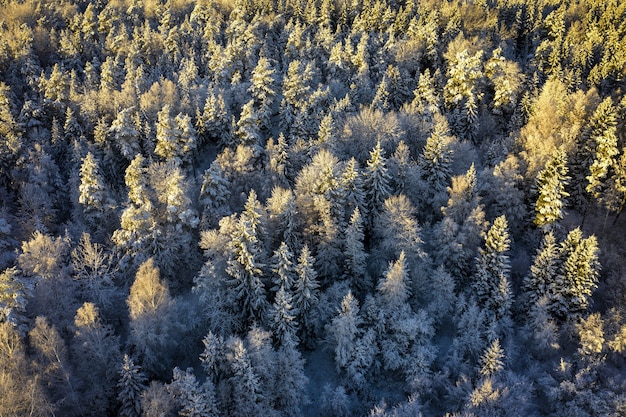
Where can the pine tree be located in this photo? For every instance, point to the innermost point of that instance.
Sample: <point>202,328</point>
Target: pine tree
<point>435,162</point>
<point>214,121</point>
<point>283,321</point>
<point>306,291</point>
<point>355,255</point>
<point>492,284</point>
<point>394,288</point>
<point>93,192</point>
<point>130,385</point>
<point>606,176</point>
<point>196,400</point>
<point>570,292</point>
<point>344,330</point>
<point>492,360</point>
<point>351,191</point>
<point>245,384</point>
<point>245,270</point>
<point>126,133</point>
<point>543,271</point>
<point>214,196</point>
<point>282,267</point>
<point>550,185</point>
<point>262,90</point>
<point>376,182</point>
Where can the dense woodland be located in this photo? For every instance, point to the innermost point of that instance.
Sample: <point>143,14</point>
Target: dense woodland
<point>323,207</point>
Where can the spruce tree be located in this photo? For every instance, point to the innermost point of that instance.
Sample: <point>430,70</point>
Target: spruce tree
<point>130,385</point>
<point>492,284</point>
<point>550,185</point>
<point>376,182</point>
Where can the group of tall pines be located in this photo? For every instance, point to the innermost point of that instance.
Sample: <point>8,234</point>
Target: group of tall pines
<point>377,208</point>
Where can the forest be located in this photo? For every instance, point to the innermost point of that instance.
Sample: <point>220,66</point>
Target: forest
<point>377,208</point>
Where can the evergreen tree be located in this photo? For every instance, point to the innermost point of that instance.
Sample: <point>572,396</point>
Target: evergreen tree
<point>355,256</point>
<point>130,385</point>
<point>543,271</point>
<point>435,162</point>
<point>245,385</point>
<point>262,90</point>
<point>306,291</point>
<point>550,185</point>
<point>492,360</point>
<point>570,292</point>
<point>245,270</point>
<point>282,267</point>
<point>283,317</point>
<point>492,284</point>
<point>195,400</point>
<point>93,193</point>
<point>344,330</point>
<point>376,182</point>
<point>606,176</point>
<point>126,133</point>
<point>214,121</point>
<point>395,287</point>
<point>214,196</point>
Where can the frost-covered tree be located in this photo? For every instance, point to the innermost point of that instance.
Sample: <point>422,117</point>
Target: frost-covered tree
<point>493,268</point>
<point>550,185</point>
<point>263,90</point>
<point>459,233</point>
<point>376,182</point>
<point>96,355</point>
<point>215,120</point>
<point>354,252</point>
<point>492,360</point>
<point>130,385</point>
<point>434,163</point>
<point>306,292</point>
<point>570,292</point>
<point>544,269</point>
<point>245,384</point>
<point>149,303</point>
<point>195,399</point>
<point>126,133</point>
<point>214,196</point>
<point>245,270</point>
<point>282,268</point>
<point>282,317</point>
<point>175,137</point>
<point>607,173</point>
<point>344,330</point>
<point>395,287</point>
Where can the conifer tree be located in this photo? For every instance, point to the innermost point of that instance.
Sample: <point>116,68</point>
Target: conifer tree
<point>355,255</point>
<point>283,321</point>
<point>126,133</point>
<point>130,385</point>
<point>214,121</point>
<point>214,196</point>
<point>395,287</point>
<point>492,284</point>
<point>492,360</point>
<point>344,330</point>
<point>93,191</point>
<point>550,185</point>
<point>196,400</point>
<point>607,173</point>
<point>376,182</point>
<point>245,385</point>
<point>306,291</point>
<point>570,292</point>
<point>282,267</point>
<point>245,271</point>
<point>544,269</point>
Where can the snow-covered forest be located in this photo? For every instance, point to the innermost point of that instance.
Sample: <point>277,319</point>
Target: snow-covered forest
<point>312,208</point>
